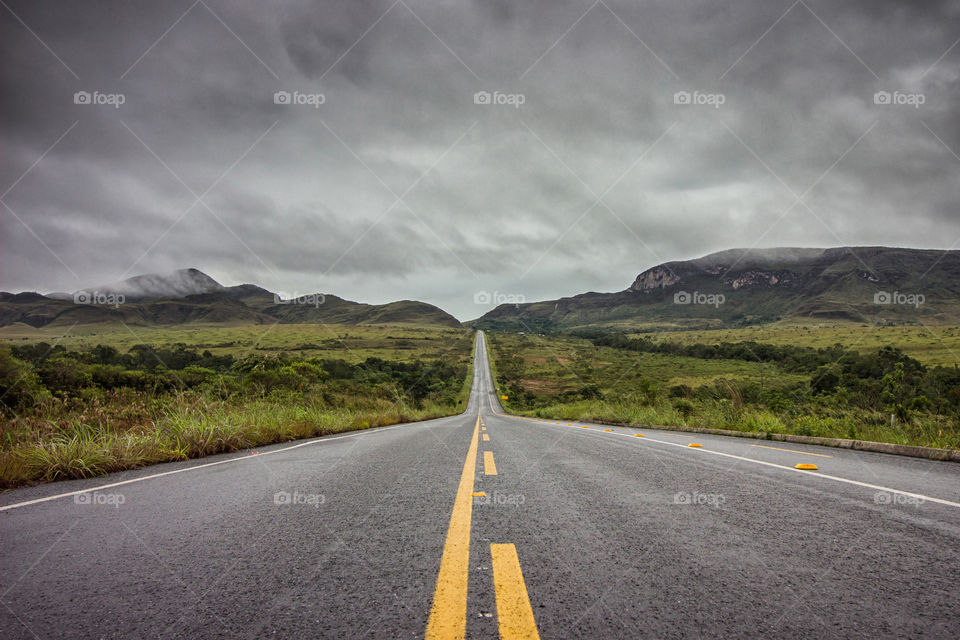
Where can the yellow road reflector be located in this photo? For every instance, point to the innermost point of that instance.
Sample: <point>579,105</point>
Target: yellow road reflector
<point>638,435</point>
<point>694,444</point>
<point>806,467</point>
<point>608,430</point>
<point>486,438</point>
<point>514,613</point>
<point>479,494</point>
<point>569,425</point>
<point>503,397</point>
<point>584,427</point>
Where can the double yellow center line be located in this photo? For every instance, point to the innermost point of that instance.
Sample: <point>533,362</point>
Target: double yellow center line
<point>448,615</point>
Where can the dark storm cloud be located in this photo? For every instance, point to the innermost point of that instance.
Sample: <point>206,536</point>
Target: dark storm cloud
<point>399,186</point>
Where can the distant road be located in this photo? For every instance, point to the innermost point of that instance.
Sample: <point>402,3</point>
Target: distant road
<point>581,532</point>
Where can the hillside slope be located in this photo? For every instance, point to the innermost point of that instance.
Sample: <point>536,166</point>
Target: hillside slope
<point>875,285</point>
<point>189,296</point>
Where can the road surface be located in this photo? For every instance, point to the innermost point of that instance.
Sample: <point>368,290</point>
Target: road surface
<point>581,531</point>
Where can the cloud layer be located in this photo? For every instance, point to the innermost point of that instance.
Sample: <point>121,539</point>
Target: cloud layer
<point>617,135</point>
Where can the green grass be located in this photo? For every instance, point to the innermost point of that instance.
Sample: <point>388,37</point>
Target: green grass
<point>929,345</point>
<point>349,342</point>
<point>190,428</point>
<point>567,378</point>
<point>92,431</point>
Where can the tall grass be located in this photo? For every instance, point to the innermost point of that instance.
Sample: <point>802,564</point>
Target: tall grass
<point>925,431</point>
<point>187,426</point>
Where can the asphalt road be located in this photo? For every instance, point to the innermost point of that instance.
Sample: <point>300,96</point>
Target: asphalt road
<point>581,532</point>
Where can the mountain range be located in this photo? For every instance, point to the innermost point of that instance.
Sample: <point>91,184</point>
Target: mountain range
<point>733,288</point>
<point>190,296</point>
<point>741,287</point>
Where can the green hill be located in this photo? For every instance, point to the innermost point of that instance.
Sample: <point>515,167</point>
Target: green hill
<point>189,296</point>
<point>873,285</point>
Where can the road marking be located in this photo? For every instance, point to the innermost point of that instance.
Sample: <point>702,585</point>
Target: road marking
<point>479,494</point>
<point>486,438</point>
<point>489,467</point>
<point>780,466</point>
<point>806,453</point>
<point>212,464</point>
<point>805,467</point>
<point>513,604</point>
<point>814,475</point>
<point>695,445</point>
<point>448,615</point>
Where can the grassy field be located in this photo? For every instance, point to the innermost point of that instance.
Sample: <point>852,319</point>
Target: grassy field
<point>96,400</point>
<point>929,345</point>
<point>349,342</point>
<point>567,377</point>
<point>558,365</point>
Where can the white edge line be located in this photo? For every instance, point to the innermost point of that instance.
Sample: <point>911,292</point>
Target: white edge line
<point>318,440</point>
<point>814,474</point>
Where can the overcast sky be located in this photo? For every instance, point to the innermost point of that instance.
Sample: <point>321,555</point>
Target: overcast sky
<point>581,172</point>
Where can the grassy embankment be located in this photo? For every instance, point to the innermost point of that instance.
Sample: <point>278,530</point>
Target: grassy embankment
<point>828,392</point>
<point>72,409</point>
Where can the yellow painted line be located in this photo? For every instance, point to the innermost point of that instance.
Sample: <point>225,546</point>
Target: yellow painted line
<point>486,437</point>
<point>489,468</point>
<point>514,612</point>
<point>806,453</point>
<point>448,615</point>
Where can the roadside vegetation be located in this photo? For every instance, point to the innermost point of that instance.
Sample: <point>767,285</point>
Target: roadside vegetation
<point>880,394</point>
<point>80,412</point>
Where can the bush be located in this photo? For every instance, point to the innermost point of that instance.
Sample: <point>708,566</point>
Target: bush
<point>20,386</point>
<point>684,407</point>
<point>64,374</point>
